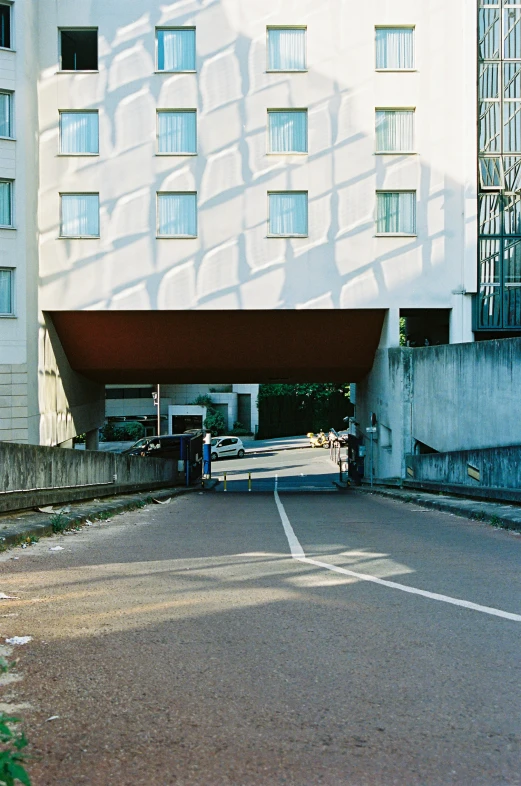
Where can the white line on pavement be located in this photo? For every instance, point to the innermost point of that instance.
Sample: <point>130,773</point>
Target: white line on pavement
<point>297,552</point>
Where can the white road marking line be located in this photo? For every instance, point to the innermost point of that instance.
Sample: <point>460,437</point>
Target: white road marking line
<point>297,553</point>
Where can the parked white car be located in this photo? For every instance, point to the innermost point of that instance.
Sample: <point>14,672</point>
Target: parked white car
<point>223,447</point>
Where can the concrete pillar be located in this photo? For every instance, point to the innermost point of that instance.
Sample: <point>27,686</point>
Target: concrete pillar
<point>461,318</point>
<point>68,444</point>
<point>92,439</point>
<point>391,330</point>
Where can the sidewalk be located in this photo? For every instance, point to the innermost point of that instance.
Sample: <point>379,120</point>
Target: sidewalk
<point>19,527</point>
<point>503,516</point>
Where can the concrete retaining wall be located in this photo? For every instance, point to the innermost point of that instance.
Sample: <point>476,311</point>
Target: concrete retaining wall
<point>492,468</point>
<point>34,476</point>
<point>455,397</point>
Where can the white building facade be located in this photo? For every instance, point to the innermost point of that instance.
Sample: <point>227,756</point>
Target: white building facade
<point>217,155</point>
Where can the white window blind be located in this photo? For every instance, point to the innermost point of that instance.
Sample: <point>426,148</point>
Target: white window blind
<point>396,213</point>
<point>394,130</point>
<point>288,131</point>
<point>6,201</point>
<point>395,48</point>
<point>288,213</point>
<point>79,132</point>
<point>80,215</point>
<point>286,49</point>
<point>176,49</point>
<point>177,132</point>
<point>177,215</point>
<point>6,291</point>
<point>6,115</point>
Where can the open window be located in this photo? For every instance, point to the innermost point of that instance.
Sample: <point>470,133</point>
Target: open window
<point>79,50</point>
<point>492,173</point>
<point>5,25</point>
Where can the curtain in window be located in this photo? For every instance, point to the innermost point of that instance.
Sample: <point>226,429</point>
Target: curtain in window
<point>394,131</point>
<point>6,294</point>
<point>176,50</point>
<point>5,203</point>
<point>177,215</point>
<point>5,114</point>
<point>80,215</point>
<point>288,132</point>
<point>288,213</point>
<point>286,49</point>
<point>177,132</point>
<point>394,47</point>
<point>396,213</point>
<point>79,132</point>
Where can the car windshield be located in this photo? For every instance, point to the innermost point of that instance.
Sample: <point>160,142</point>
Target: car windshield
<point>140,443</point>
<point>215,440</point>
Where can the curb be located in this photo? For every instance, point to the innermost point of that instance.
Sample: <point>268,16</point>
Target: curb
<point>487,512</point>
<point>43,527</point>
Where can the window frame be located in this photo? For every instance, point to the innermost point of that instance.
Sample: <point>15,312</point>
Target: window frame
<point>396,70</point>
<point>11,203</point>
<point>9,48</point>
<point>10,93</point>
<point>175,27</point>
<point>10,314</point>
<point>398,191</point>
<point>268,136</point>
<point>76,71</point>
<point>287,70</point>
<point>293,235</point>
<point>61,236</point>
<point>76,112</point>
<point>159,236</point>
<point>412,152</point>
<point>172,110</point>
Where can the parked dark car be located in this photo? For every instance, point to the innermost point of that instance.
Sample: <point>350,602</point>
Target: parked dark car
<point>156,447</point>
<point>185,449</point>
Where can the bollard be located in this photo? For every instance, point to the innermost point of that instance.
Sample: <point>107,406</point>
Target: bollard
<point>249,481</point>
<point>225,482</point>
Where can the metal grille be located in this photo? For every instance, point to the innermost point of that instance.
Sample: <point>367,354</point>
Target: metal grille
<point>499,139</point>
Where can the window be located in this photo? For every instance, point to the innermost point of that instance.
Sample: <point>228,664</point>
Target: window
<point>6,291</point>
<point>177,215</point>
<point>5,26</point>
<point>394,130</point>
<point>79,215</point>
<point>176,49</point>
<point>288,213</point>
<point>6,203</point>
<point>396,213</point>
<point>286,48</point>
<point>79,133</point>
<point>176,132</point>
<point>6,114</point>
<point>395,48</point>
<point>288,130</point>
<point>79,50</point>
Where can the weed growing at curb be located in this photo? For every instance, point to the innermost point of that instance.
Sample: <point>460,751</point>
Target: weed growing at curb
<point>59,523</point>
<point>12,759</point>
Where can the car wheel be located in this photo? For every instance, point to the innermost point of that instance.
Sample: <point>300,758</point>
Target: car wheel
<point>214,456</point>
<point>240,454</point>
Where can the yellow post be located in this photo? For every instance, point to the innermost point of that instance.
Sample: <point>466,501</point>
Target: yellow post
<point>225,481</point>
<point>249,481</point>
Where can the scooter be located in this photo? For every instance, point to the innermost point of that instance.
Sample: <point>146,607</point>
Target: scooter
<point>317,440</point>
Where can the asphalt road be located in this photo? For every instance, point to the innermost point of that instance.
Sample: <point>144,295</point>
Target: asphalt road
<point>183,644</point>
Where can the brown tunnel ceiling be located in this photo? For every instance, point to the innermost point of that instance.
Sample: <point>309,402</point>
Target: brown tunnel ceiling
<point>220,346</point>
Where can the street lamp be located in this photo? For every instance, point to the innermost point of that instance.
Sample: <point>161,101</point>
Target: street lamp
<point>156,395</point>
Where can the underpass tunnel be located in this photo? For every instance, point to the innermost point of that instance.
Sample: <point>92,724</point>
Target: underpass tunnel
<point>143,349</point>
